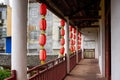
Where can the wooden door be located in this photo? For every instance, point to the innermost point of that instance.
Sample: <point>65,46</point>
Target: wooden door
<point>89,53</point>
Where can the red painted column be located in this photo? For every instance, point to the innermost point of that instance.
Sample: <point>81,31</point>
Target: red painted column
<point>107,48</point>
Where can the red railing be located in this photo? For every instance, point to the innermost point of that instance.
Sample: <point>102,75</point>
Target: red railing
<point>79,55</point>
<point>53,70</point>
<point>13,76</point>
<point>72,61</point>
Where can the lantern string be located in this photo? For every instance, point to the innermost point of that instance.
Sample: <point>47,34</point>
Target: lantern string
<point>42,37</point>
<point>62,41</point>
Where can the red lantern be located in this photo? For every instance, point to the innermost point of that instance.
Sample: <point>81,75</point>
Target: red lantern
<point>78,38</point>
<point>74,36</point>
<point>62,50</point>
<point>42,55</point>
<point>71,35</point>
<point>62,22</point>
<point>70,28</point>
<point>42,39</point>
<point>79,34</point>
<point>62,41</point>
<point>43,24</point>
<point>43,9</point>
<point>79,42</point>
<point>62,32</point>
<point>71,49</point>
<point>71,42</point>
<point>79,47</point>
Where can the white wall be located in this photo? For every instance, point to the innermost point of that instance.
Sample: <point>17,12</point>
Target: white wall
<point>115,39</point>
<point>56,35</point>
<point>89,40</point>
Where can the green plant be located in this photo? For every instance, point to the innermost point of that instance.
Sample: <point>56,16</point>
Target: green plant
<point>4,74</point>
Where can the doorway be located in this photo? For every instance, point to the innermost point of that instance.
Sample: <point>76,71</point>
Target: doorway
<point>89,53</point>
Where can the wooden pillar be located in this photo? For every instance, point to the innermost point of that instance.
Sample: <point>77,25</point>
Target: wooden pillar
<point>108,47</point>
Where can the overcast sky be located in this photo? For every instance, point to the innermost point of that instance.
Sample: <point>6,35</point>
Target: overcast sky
<point>3,1</point>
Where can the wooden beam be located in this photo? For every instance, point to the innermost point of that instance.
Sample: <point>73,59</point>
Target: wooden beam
<point>54,9</point>
<point>79,9</point>
<point>88,26</point>
<point>85,18</point>
<point>66,4</point>
<point>32,1</point>
<point>75,2</point>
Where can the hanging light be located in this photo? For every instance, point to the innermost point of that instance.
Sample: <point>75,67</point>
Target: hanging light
<point>71,35</point>
<point>74,30</point>
<point>42,39</point>
<point>74,37</point>
<point>62,50</point>
<point>42,24</point>
<point>62,22</point>
<point>62,32</point>
<point>71,48</point>
<point>62,41</point>
<point>71,42</point>
<point>43,9</point>
<point>70,28</point>
<point>42,54</point>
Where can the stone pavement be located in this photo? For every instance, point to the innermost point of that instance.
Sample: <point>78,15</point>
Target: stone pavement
<point>87,69</point>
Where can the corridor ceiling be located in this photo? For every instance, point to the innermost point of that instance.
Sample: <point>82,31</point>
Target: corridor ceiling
<point>81,13</point>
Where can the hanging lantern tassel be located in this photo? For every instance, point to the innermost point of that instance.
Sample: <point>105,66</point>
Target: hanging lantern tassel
<point>62,41</point>
<point>62,22</point>
<point>43,9</point>
<point>42,24</point>
<point>42,39</point>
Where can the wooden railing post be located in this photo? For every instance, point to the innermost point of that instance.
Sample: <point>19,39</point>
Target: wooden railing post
<point>52,70</point>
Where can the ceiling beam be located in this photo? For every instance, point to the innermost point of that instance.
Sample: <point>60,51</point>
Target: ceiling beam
<point>85,18</point>
<point>89,26</point>
<point>75,2</point>
<point>66,4</point>
<point>79,9</point>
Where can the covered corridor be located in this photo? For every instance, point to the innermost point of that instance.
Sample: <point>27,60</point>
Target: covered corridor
<point>80,14</point>
<point>86,69</point>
